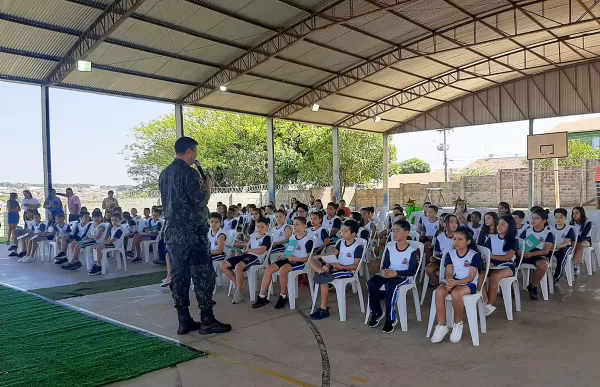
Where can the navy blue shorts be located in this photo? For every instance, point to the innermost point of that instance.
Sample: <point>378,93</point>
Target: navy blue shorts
<point>472,287</point>
<point>248,259</point>
<point>278,249</point>
<point>295,265</point>
<point>219,257</point>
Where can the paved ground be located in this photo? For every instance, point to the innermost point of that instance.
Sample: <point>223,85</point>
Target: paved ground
<point>551,343</point>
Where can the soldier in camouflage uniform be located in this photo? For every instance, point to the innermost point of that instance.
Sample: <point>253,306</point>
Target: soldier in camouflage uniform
<point>184,193</point>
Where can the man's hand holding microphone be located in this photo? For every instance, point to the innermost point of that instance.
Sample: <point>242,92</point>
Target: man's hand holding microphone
<point>205,176</point>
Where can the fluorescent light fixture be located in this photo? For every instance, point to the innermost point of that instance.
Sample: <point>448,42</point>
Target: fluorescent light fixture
<point>315,107</point>
<point>84,65</point>
<point>377,118</point>
<point>223,88</point>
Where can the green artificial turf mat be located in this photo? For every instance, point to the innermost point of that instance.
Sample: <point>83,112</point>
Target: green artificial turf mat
<point>47,345</point>
<point>102,286</point>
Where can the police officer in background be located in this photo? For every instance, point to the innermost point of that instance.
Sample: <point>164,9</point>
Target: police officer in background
<point>184,193</point>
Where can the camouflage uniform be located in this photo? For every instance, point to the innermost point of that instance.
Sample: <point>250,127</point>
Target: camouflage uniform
<point>184,199</point>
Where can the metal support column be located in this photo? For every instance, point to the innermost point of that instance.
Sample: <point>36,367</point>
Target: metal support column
<point>47,158</point>
<point>531,173</point>
<point>336,162</point>
<point>386,170</point>
<point>271,158</point>
<point>179,120</point>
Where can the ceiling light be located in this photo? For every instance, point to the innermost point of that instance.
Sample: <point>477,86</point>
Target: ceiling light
<point>84,65</point>
<point>223,88</point>
<point>315,107</point>
<point>377,118</point>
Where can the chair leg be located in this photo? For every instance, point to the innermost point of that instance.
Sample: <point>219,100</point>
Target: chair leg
<point>515,286</point>
<point>525,273</point>
<point>587,257</point>
<point>341,301</point>
<point>402,309</point>
<point>425,286</point>
<point>505,287</point>
<point>550,279</point>
<point>415,294</point>
<point>471,310</point>
<point>292,282</point>
<point>368,311</point>
<point>315,294</point>
<point>482,319</point>
<point>432,313</point>
<point>569,270</point>
<point>360,298</point>
<point>105,262</point>
<point>449,313</point>
<point>544,286</point>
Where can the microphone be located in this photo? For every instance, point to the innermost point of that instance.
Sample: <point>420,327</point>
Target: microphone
<point>200,169</point>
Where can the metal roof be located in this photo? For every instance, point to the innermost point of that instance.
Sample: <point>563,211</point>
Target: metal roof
<point>418,64</point>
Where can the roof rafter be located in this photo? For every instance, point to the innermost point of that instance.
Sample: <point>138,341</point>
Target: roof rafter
<point>274,45</point>
<point>100,29</point>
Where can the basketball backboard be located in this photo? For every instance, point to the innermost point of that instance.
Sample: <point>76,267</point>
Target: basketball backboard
<point>547,146</point>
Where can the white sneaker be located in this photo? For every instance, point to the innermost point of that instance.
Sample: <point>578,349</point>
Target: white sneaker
<point>456,334</point>
<point>439,333</point>
<point>238,297</point>
<point>28,259</point>
<point>22,259</point>
<point>489,309</point>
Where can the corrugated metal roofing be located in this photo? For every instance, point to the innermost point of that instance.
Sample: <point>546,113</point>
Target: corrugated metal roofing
<point>350,56</point>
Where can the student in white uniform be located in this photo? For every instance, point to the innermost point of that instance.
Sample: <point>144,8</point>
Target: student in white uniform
<point>38,233</point>
<point>428,227</point>
<point>253,254</point>
<point>461,271</point>
<point>93,236</point>
<point>367,214</point>
<point>519,217</point>
<point>348,251</point>
<point>490,225</point>
<point>475,224</point>
<point>281,232</point>
<point>112,242</point>
<point>303,246</point>
<point>216,238</point>
<point>331,221</point>
<point>443,242</point>
<point>62,232</point>
<point>270,213</point>
<point>400,261</point>
<point>564,237</point>
<point>363,232</point>
<point>583,228</point>
<point>504,246</point>
<point>323,237</point>
<point>461,212</point>
<point>539,254</point>
<point>149,234</point>
<point>231,222</point>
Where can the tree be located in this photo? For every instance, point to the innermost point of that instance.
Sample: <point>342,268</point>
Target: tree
<point>233,148</point>
<point>578,152</point>
<point>414,166</point>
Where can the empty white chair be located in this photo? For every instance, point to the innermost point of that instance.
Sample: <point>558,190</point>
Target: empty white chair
<point>473,305</point>
<point>587,252</point>
<point>44,249</point>
<point>340,289</point>
<point>145,247</point>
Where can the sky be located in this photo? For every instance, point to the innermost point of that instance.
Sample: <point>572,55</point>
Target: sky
<point>88,130</point>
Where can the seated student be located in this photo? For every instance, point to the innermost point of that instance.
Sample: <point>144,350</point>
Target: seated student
<point>231,222</point>
<point>255,215</point>
<point>93,234</point>
<point>538,255</point>
<point>323,237</point>
<point>297,261</point>
<point>319,206</point>
<point>216,238</point>
<point>564,236</point>
<point>149,234</point>
<point>504,209</point>
<point>348,251</point>
<point>113,241</point>
<point>134,214</point>
<point>400,262</point>
<point>583,228</point>
<point>504,247</point>
<point>281,232</point>
<point>490,224</point>
<point>443,242</point>
<point>254,253</point>
<point>531,211</point>
<point>519,217</point>
<point>428,228</point>
<point>367,214</point>
<point>270,213</point>
<point>475,224</point>
<point>79,230</point>
<point>38,234</point>
<point>107,216</point>
<point>423,216</point>
<point>461,271</point>
<point>341,213</point>
<point>396,215</point>
<point>331,222</point>
<point>461,212</point>
<point>62,232</point>
<point>362,231</point>
<point>21,236</point>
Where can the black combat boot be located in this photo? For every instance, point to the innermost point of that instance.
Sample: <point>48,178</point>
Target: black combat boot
<point>209,324</point>
<point>186,323</point>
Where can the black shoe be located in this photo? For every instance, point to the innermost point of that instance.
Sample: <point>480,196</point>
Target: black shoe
<point>75,266</point>
<point>60,261</point>
<point>159,262</point>
<point>281,302</point>
<point>374,320</point>
<point>12,248</point>
<point>260,301</point>
<point>130,254</point>
<point>137,260</point>
<point>209,324</point>
<point>186,322</point>
<point>21,254</point>
<point>13,254</point>
<point>389,326</point>
<point>60,255</point>
<point>533,294</point>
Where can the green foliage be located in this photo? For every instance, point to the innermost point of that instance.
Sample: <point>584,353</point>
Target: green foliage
<point>233,148</point>
<point>578,151</point>
<point>414,166</point>
<point>476,172</point>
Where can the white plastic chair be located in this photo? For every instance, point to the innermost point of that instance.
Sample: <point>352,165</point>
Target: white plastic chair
<point>473,305</point>
<point>293,275</point>
<point>587,252</point>
<point>145,245</point>
<point>506,284</point>
<point>252,274</point>
<point>44,248</point>
<point>547,282</point>
<point>425,277</point>
<point>229,240</point>
<point>403,290</point>
<point>117,252</point>
<point>340,289</point>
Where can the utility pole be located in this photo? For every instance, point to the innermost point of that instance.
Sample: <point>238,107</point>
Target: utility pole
<point>444,148</point>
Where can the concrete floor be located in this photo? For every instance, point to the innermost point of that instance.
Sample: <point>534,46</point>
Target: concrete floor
<point>550,343</point>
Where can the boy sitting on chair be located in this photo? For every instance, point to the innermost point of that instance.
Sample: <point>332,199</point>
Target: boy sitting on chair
<point>216,237</point>
<point>40,233</point>
<point>302,245</point>
<point>61,237</point>
<point>399,262</point>
<point>348,251</point>
<point>253,254</point>
<point>114,241</point>
<point>154,226</point>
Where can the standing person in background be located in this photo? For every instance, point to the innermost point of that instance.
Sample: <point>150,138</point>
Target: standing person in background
<point>30,203</point>
<point>73,204</point>
<point>110,201</point>
<point>461,212</point>
<point>13,207</point>
<point>184,195</point>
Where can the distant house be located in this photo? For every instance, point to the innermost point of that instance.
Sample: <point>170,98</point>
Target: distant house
<point>587,130</point>
<point>493,164</point>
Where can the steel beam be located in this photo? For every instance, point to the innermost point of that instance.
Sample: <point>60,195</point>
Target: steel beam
<point>531,173</point>
<point>46,149</point>
<point>271,158</point>
<point>96,33</point>
<point>179,129</point>
<point>386,171</point>
<point>336,162</point>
